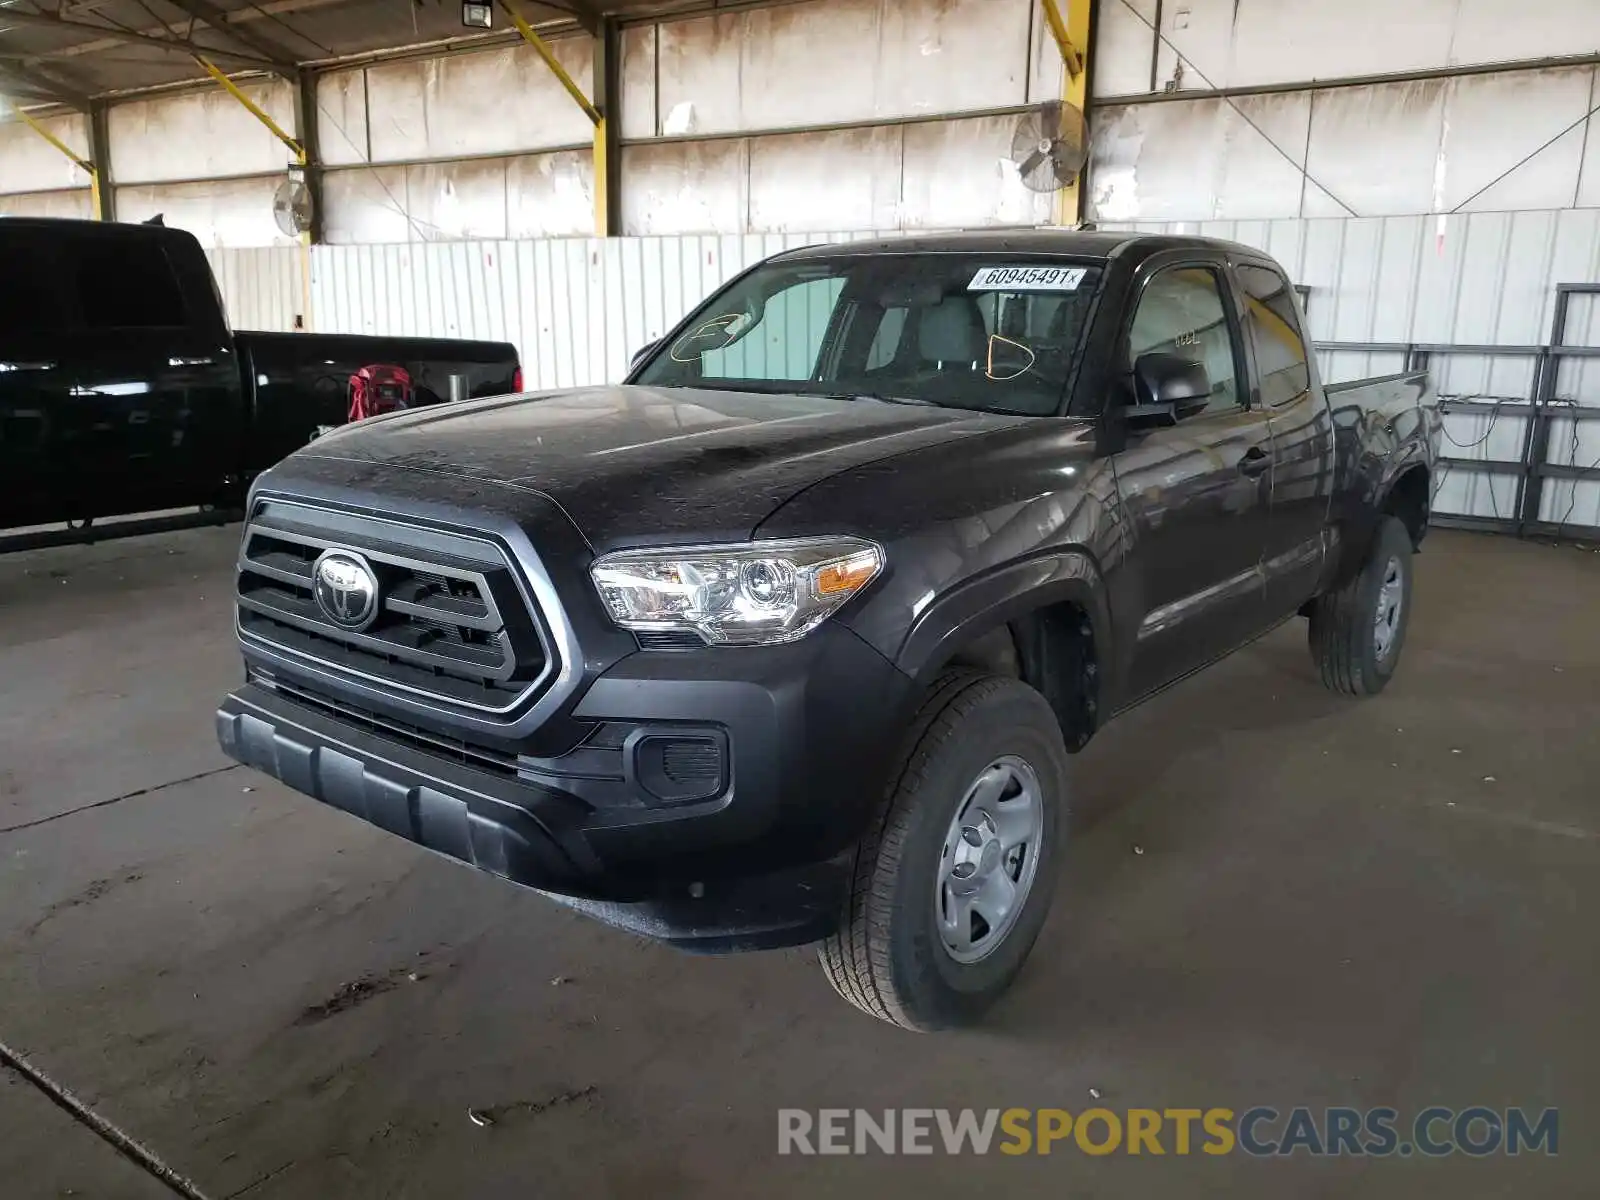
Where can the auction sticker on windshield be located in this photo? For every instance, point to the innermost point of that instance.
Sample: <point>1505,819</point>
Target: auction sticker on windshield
<point>1027,279</point>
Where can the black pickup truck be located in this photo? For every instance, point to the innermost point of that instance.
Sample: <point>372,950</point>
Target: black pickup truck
<point>789,637</point>
<point>123,390</point>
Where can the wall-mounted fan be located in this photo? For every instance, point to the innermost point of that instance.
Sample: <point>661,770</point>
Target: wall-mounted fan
<point>291,204</point>
<point>1050,146</point>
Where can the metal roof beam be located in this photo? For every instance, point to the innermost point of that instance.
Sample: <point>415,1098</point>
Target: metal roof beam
<point>279,55</point>
<point>12,16</point>
<point>583,12</point>
<point>41,85</point>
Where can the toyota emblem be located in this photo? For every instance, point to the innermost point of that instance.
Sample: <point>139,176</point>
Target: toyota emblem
<point>346,589</point>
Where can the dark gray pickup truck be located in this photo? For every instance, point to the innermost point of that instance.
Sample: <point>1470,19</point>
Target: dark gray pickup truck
<point>790,637</point>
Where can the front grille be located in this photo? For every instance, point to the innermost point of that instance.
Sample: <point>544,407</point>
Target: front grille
<point>451,623</point>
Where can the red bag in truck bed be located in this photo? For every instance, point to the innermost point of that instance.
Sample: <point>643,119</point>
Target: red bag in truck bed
<point>379,388</point>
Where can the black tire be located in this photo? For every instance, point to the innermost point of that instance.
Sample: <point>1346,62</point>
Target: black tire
<point>1344,640</point>
<point>887,957</point>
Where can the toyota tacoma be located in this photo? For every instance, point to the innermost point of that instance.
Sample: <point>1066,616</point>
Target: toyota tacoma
<point>790,636</point>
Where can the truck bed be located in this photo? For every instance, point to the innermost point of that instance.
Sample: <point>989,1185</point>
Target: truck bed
<point>298,383</point>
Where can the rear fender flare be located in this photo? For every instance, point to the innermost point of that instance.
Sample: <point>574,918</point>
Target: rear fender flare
<point>1354,535</point>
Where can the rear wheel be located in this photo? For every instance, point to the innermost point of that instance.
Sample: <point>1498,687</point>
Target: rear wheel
<point>1358,631</point>
<point>953,881</point>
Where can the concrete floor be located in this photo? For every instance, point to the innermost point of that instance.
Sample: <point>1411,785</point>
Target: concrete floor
<point>1387,902</point>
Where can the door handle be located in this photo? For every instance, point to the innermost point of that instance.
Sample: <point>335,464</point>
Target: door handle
<point>1255,461</point>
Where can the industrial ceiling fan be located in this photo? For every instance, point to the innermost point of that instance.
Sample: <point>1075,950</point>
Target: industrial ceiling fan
<point>292,204</point>
<point>1050,146</point>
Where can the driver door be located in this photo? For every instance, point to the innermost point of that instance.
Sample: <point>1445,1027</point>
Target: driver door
<point>1197,490</point>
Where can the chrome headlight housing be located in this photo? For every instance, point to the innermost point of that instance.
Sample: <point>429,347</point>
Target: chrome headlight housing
<point>744,594</point>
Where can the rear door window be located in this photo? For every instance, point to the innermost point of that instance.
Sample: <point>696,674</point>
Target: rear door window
<point>1275,332</point>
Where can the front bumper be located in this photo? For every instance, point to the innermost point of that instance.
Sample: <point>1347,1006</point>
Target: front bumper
<point>807,731</point>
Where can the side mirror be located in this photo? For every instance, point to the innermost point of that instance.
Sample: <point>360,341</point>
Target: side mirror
<point>1168,388</point>
<point>640,354</point>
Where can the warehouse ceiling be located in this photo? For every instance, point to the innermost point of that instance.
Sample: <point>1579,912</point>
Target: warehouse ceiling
<point>66,51</point>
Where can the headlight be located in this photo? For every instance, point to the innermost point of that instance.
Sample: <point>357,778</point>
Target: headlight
<point>751,593</point>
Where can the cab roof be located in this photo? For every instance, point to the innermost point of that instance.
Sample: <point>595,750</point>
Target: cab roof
<point>1074,243</point>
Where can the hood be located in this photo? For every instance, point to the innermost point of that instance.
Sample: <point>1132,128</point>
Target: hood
<point>639,464</point>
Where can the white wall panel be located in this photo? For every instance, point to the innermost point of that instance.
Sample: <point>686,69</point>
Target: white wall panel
<point>1276,41</point>
<point>199,135</point>
<point>28,163</point>
<point>491,102</point>
<point>77,205</point>
<point>638,77</point>
<point>367,205</point>
<point>1161,161</point>
<point>1486,31</point>
<point>1254,43</point>
<point>1496,121</point>
<point>959,173</point>
<point>1374,151</point>
<point>686,187</point>
<point>698,77</point>
<point>858,60</point>
<point>342,118</point>
<point>455,200</point>
<point>538,195</point>
<point>923,175</point>
<point>1123,47</point>
<point>1427,146</point>
<point>550,195</point>
<point>220,212</point>
<point>952,56</point>
<point>264,288</point>
<point>845,179</point>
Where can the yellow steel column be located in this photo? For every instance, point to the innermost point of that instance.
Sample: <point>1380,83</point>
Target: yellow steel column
<point>602,181</point>
<point>83,164</point>
<point>1072,34</point>
<point>294,147</point>
<point>531,36</point>
<point>254,109</point>
<point>597,118</point>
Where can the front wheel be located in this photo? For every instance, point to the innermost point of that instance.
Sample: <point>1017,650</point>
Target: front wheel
<point>953,880</point>
<point>1357,632</point>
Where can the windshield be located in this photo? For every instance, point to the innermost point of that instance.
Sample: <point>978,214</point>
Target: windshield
<point>993,333</point>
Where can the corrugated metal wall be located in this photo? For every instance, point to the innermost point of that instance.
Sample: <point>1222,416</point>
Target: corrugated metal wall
<point>577,308</point>
<point>263,288</point>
